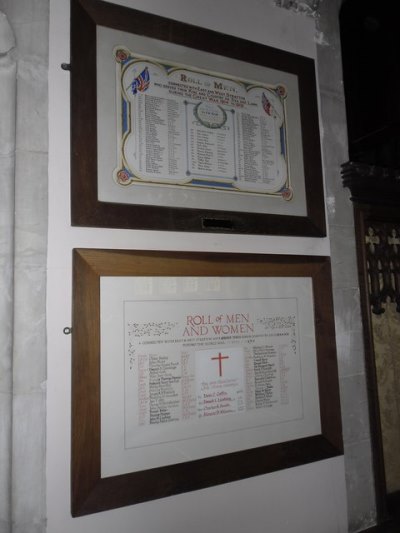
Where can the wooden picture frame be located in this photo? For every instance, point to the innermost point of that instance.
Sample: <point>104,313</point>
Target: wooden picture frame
<point>90,490</point>
<point>208,210</point>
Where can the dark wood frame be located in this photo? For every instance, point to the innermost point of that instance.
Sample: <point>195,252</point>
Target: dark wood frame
<point>87,210</point>
<point>89,491</point>
<point>361,223</point>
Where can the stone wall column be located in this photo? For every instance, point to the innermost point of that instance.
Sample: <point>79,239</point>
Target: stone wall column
<point>8,71</point>
<point>26,375</point>
<point>346,292</point>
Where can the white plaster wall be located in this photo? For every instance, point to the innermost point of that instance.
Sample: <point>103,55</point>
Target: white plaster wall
<point>309,499</point>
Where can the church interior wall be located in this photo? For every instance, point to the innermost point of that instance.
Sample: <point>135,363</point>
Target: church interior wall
<point>309,498</point>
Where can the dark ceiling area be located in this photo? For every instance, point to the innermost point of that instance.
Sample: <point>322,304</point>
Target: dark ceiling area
<point>370,39</point>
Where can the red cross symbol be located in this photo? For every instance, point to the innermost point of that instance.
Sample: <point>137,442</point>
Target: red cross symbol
<point>219,359</point>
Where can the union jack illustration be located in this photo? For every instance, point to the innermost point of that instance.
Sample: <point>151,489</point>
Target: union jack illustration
<point>266,105</point>
<point>142,82</point>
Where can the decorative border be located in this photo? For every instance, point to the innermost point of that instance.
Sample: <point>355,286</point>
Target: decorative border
<point>87,210</point>
<point>90,492</point>
<point>124,175</point>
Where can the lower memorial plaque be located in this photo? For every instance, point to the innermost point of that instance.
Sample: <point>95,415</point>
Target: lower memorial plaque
<point>191,370</point>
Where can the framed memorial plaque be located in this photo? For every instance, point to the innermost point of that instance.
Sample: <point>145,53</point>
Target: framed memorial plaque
<point>176,127</point>
<point>191,370</point>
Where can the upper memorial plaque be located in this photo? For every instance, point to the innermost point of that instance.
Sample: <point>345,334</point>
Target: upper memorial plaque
<point>180,128</point>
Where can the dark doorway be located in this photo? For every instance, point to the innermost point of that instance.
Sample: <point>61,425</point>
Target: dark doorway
<point>371,68</point>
